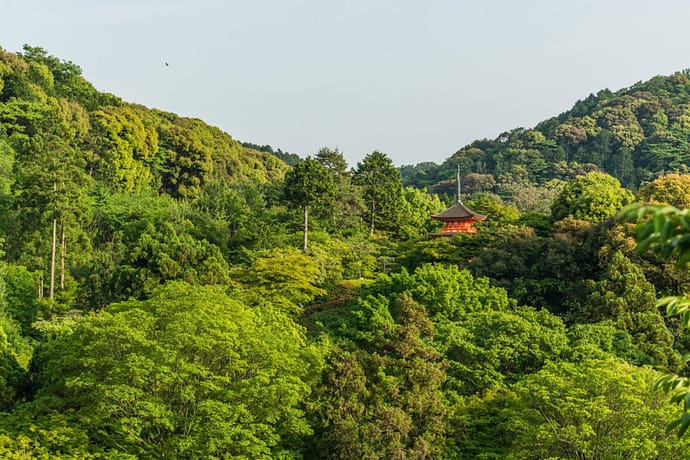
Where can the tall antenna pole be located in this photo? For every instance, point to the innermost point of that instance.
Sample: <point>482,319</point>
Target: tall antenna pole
<point>459,190</point>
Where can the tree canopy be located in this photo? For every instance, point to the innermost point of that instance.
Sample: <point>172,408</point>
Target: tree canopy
<point>307,185</point>
<point>158,297</point>
<point>593,197</point>
<point>382,189</point>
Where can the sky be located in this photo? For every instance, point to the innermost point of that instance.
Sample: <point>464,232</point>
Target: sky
<point>414,79</point>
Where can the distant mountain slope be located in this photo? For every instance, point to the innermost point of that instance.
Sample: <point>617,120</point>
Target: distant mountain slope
<point>46,101</point>
<point>289,158</point>
<point>633,134</point>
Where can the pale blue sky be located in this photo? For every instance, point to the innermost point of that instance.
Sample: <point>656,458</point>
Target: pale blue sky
<point>416,80</point>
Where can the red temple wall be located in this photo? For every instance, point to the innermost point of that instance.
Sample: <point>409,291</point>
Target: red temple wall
<point>459,227</point>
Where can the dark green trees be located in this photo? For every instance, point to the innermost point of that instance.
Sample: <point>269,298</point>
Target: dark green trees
<point>383,398</point>
<point>382,187</point>
<point>625,297</point>
<point>348,208</point>
<point>334,161</point>
<point>309,184</point>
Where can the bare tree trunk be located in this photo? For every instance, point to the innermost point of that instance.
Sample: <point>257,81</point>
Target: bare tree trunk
<point>306,226</point>
<point>52,260</point>
<point>63,251</point>
<point>373,213</point>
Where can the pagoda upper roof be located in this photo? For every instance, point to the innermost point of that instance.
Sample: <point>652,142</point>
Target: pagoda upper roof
<point>458,212</point>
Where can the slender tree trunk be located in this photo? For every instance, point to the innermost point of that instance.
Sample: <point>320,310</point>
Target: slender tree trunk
<point>63,251</point>
<point>306,226</point>
<point>373,213</point>
<point>52,260</point>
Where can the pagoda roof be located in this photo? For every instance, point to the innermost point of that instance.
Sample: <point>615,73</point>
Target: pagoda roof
<point>458,212</point>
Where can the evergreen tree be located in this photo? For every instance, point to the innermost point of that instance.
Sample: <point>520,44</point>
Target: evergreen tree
<point>382,189</point>
<point>307,185</point>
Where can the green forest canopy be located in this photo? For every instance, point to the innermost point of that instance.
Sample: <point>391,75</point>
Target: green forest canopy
<point>633,134</point>
<point>158,297</point>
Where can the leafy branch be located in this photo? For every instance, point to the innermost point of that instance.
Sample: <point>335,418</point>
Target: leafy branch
<point>665,231</point>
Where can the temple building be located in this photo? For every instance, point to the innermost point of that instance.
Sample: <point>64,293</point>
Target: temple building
<point>457,219</point>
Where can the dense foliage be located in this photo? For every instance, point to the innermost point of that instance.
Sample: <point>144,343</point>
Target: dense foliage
<point>634,134</point>
<point>158,298</point>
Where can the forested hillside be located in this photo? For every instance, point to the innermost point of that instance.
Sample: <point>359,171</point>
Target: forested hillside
<point>633,134</point>
<point>169,292</point>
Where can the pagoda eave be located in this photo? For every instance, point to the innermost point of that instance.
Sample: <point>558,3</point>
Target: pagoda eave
<point>474,218</point>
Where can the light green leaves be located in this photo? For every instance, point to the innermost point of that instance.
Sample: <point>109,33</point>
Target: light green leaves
<point>665,231</point>
<point>189,373</point>
<point>593,197</point>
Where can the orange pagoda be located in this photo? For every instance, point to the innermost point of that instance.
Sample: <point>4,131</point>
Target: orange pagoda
<point>457,219</point>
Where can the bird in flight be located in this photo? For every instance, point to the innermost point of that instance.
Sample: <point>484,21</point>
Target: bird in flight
<point>167,65</point>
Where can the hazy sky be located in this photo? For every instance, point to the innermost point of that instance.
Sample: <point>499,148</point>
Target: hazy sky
<point>415,79</point>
